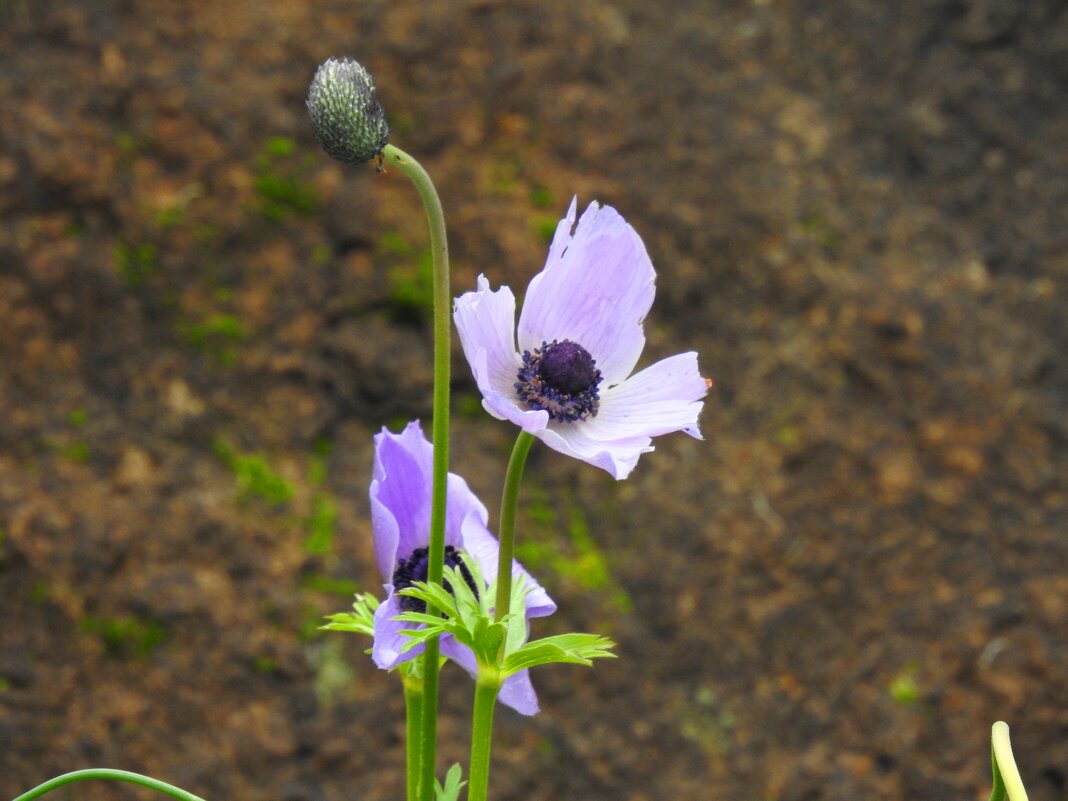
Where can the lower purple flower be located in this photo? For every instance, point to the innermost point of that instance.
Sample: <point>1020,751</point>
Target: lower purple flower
<point>400,515</point>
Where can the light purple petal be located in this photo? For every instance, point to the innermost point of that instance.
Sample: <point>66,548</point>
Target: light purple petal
<point>401,491</point>
<point>386,536</point>
<point>484,548</point>
<point>660,399</point>
<point>386,651</point>
<point>562,236</point>
<point>401,497</point>
<point>485,321</point>
<point>595,290</point>
<point>617,457</point>
<point>516,692</point>
<point>460,654</point>
<point>504,407</point>
<point>460,503</point>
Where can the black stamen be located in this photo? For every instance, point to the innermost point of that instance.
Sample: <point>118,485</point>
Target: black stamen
<point>414,568</point>
<point>560,377</point>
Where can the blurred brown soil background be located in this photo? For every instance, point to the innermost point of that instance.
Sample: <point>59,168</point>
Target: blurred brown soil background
<point>858,215</point>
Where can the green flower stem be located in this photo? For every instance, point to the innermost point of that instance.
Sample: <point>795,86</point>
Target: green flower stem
<point>481,737</point>
<point>413,715</point>
<point>113,775</point>
<point>488,684</point>
<point>1007,781</point>
<point>439,250</point>
<point>509,499</point>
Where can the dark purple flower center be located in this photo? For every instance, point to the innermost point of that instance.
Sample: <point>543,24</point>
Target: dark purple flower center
<point>414,568</point>
<point>561,378</point>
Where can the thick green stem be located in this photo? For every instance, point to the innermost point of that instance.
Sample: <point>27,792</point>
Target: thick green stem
<point>413,715</point>
<point>509,499</point>
<point>439,251</point>
<point>481,739</point>
<point>113,775</point>
<point>1007,781</point>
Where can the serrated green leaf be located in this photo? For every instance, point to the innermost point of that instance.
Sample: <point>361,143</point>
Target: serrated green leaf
<point>345,621</point>
<point>431,627</point>
<point>366,602</point>
<point>420,617</point>
<point>417,636</point>
<point>466,600</point>
<point>453,784</point>
<point>468,616</point>
<point>516,620</point>
<point>434,596</point>
<point>577,649</point>
<point>477,578</point>
<point>361,620</point>
<point>486,639</point>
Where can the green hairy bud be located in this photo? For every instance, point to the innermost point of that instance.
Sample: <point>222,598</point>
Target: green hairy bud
<point>345,115</point>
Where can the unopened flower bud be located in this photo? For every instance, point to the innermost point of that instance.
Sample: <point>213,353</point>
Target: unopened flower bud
<point>345,115</point>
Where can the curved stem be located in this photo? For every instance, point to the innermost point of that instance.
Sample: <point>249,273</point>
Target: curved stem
<point>509,499</point>
<point>1007,781</point>
<point>481,739</point>
<point>113,775</point>
<point>439,251</point>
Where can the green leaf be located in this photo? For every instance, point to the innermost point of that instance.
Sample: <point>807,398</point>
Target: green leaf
<point>1007,781</point>
<point>468,616</point>
<point>418,636</point>
<point>486,639</point>
<point>432,626</point>
<point>516,620</point>
<point>478,579</point>
<point>461,613</point>
<point>361,620</point>
<point>434,596</point>
<point>467,603</point>
<point>451,790</point>
<point>577,649</point>
<point>420,617</point>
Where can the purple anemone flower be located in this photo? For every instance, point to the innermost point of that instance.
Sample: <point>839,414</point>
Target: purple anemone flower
<point>580,335</point>
<point>400,515</point>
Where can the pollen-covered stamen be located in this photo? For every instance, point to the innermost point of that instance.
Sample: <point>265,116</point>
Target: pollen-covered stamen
<point>414,568</point>
<point>561,378</point>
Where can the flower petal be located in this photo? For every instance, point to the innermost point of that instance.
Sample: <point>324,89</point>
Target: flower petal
<point>401,491</point>
<point>386,535</point>
<point>485,321</point>
<point>617,457</point>
<point>516,692</point>
<point>484,548</point>
<point>596,288</point>
<point>386,651</point>
<point>461,503</point>
<point>562,236</point>
<point>401,497</point>
<point>460,654</point>
<point>660,399</point>
<point>504,406</point>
